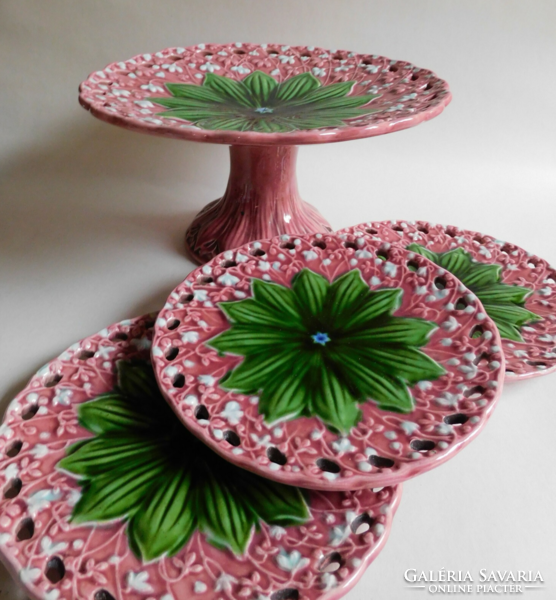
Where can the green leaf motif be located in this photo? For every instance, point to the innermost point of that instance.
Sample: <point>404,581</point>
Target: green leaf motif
<point>504,303</point>
<point>259,103</point>
<point>143,467</point>
<point>321,349</point>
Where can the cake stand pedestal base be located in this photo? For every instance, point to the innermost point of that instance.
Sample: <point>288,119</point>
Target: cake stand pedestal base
<point>260,202</point>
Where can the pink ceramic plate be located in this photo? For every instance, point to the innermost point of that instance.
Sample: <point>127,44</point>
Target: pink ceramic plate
<point>518,290</point>
<point>106,496</point>
<point>327,361</point>
<point>263,100</point>
<point>396,94</point>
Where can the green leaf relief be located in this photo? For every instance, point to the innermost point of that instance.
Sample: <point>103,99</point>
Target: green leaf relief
<point>260,103</point>
<point>143,467</point>
<point>321,348</point>
<point>504,303</point>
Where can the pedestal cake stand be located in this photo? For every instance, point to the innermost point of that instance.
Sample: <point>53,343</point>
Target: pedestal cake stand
<point>262,100</point>
<point>106,496</point>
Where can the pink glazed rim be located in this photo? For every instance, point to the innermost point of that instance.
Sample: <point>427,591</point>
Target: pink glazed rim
<point>536,355</point>
<point>97,563</point>
<point>385,447</point>
<point>119,93</point>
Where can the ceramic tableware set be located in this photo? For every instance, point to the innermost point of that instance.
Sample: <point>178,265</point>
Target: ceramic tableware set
<point>250,439</point>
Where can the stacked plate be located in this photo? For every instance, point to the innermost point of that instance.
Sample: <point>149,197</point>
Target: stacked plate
<point>249,441</point>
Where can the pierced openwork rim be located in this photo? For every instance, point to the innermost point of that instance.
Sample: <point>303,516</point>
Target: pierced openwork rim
<point>409,94</point>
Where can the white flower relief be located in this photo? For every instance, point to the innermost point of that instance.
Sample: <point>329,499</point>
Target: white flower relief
<point>11,472</point>
<point>62,397</point>
<point>291,562</point>
<point>318,72</point>
<point>190,337</point>
<point>209,67</point>
<point>342,445</point>
<point>224,583</point>
<point>339,534</point>
<point>48,547</point>
<point>29,575</point>
<point>207,380</point>
<point>232,412</point>
<point>42,499</point>
<point>277,532</point>
<point>6,431</point>
<point>52,595</point>
<point>139,582</point>
<point>329,581</point>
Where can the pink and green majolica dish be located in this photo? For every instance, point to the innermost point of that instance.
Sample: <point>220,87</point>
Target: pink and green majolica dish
<point>262,100</point>
<point>516,288</point>
<point>106,496</point>
<point>332,362</point>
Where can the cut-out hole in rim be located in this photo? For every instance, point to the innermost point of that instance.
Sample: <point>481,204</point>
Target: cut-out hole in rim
<point>362,524</point>
<point>25,530</point>
<point>536,363</point>
<point>202,413</point>
<point>423,229</point>
<point>232,438</point>
<point>331,562</point>
<point>85,354</point>
<point>14,448</point>
<point>440,283</point>
<point>461,304</point>
<point>29,411</point>
<point>413,265</point>
<point>481,359</point>
<point>54,380</point>
<point>185,299</point>
<point>474,392</point>
<point>371,231</point>
<point>204,280</point>
<point>327,465</point>
<point>173,324</point>
<point>172,353</point>
<point>12,488</point>
<point>381,462</point>
<point>456,419</point>
<point>119,336</point>
<point>227,264</point>
<point>383,254</point>
<point>259,252</point>
<point>477,332</point>
<point>319,244</point>
<point>287,246</point>
<point>351,245</point>
<point>103,595</point>
<point>55,570</point>
<point>275,456</point>
<point>178,381</point>
<point>285,594</point>
<point>422,445</point>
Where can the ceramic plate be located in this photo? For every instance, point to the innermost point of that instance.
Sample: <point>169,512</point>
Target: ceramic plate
<point>329,362</point>
<point>263,94</point>
<point>518,291</point>
<point>107,496</point>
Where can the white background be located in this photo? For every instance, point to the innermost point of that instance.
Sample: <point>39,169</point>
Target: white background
<point>92,217</point>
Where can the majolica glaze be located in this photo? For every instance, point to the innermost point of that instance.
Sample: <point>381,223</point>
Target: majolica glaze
<point>337,362</point>
<point>517,288</point>
<point>258,94</point>
<point>107,496</point>
<point>261,95</point>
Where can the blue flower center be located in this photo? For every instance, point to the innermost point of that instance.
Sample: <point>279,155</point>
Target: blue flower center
<point>263,110</point>
<point>320,338</point>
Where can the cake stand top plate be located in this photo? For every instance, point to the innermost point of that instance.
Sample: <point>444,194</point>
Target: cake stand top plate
<point>103,501</point>
<point>327,361</point>
<point>264,94</point>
